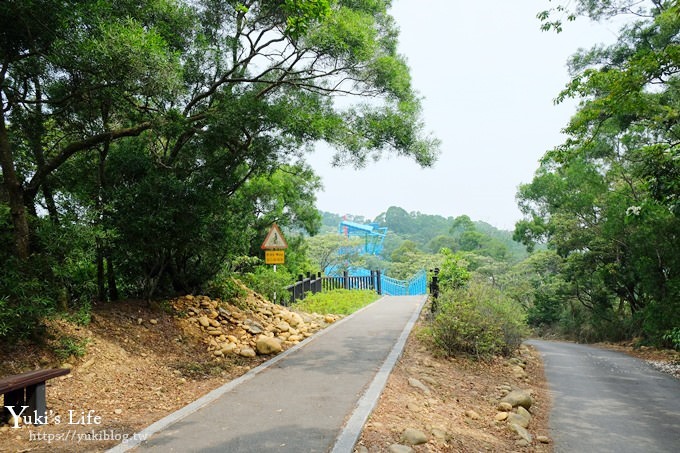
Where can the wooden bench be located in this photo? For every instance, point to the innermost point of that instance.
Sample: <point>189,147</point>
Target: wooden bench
<point>27,389</point>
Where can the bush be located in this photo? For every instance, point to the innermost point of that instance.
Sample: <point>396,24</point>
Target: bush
<point>673,337</point>
<point>478,320</point>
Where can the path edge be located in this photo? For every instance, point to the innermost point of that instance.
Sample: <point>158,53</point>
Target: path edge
<point>136,439</point>
<point>351,432</point>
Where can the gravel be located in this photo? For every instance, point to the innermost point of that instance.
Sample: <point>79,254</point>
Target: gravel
<point>672,368</point>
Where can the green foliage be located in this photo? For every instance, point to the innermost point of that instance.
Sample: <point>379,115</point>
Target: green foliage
<point>225,287</point>
<point>453,273</point>
<point>337,301</point>
<point>270,284</point>
<point>673,337</point>
<point>478,321</point>
<point>71,347</point>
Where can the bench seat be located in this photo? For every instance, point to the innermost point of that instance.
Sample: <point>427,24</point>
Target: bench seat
<point>28,389</point>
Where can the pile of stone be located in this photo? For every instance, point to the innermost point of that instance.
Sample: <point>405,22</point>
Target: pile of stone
<point>259,329</point>
<point>513,408</point>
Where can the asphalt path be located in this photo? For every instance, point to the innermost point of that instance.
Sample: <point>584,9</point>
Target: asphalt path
<point>309,399</point>
<point>607,401</point>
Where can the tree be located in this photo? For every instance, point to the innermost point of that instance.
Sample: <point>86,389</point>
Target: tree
<point>607,198</point>
<point>167,73</point>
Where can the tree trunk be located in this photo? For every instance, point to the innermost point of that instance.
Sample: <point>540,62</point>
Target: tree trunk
<point>113,289</point>
<point>15,194</point>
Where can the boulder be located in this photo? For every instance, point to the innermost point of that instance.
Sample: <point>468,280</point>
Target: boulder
<point>517,419</point>
<point>522,432</point>
<point>500,416</point>
<point>247,352</point>
<point>504,407</point>
<point>268,345</point>
<point>518,398</point>
<point>414,436</point>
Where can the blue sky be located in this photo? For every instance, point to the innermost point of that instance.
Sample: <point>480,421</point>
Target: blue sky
<point>488,76</point>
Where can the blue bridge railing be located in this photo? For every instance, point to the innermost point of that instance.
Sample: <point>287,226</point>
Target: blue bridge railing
<point>416,286</point>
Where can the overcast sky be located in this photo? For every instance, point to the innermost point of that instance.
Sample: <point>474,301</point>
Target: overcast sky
<point>488,76</point>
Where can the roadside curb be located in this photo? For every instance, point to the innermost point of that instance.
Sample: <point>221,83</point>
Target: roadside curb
<point>350,433</point>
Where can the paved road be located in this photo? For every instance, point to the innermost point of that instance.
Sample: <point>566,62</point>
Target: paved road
<point>300,401</point>
<point>606,401</point>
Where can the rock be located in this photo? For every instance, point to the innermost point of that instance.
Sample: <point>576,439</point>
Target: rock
<point>140,321</point>
<point>543,439</point>
<point>283,326</point>
<point>517,419</point>
<point>361,449</point>
<point>247,352</point>
<point>153,321</point>
<point>522,432</point>
<point>440,434</point>
<point>118,411</point>
<point>504,407</point>
<point>523,412</point>
<point>204,321</point>
<point>414,436</point>
<point>329,319</point>
<point>413,382</point>
<point>500,416</point>
<point>522,443</point>
<point>87,364</point>
<point>472,415</point>
<point>253,327</point>
<point>518,372</point>
<point>227,348</point>
<point>518,398</point>
<point>397,448</point>
<point>293,319</point>
<point>415,407</point>
<point>189,297</point>
<point>267,345</point>
<point>66,365</point>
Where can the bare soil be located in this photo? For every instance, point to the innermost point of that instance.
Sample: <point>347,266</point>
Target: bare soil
<point>463,400</point>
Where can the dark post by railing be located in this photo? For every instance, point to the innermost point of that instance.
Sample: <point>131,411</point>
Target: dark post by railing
<point>316,283</point>
<point>434,289</point>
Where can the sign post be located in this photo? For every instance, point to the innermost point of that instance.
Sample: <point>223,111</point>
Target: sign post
<point>274,246</point>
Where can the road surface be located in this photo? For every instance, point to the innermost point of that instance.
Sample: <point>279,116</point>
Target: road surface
<point>607,401</point>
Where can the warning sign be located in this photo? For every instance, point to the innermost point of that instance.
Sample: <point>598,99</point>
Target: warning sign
<point>274,257</point>
<point>274,239</point>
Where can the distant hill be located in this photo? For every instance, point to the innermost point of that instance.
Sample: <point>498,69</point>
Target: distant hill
<point>426,229</point>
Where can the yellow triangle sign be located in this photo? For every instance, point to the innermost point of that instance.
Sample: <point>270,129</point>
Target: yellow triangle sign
<point>274,239</point>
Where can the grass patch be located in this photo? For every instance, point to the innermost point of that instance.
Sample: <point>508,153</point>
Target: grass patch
<point>336,302</point>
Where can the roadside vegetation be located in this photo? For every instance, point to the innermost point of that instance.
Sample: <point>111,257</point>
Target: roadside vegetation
<point>337,301</point>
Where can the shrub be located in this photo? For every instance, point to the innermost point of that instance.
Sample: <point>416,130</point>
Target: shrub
<point>673,337</point>
<point>478,320</point>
